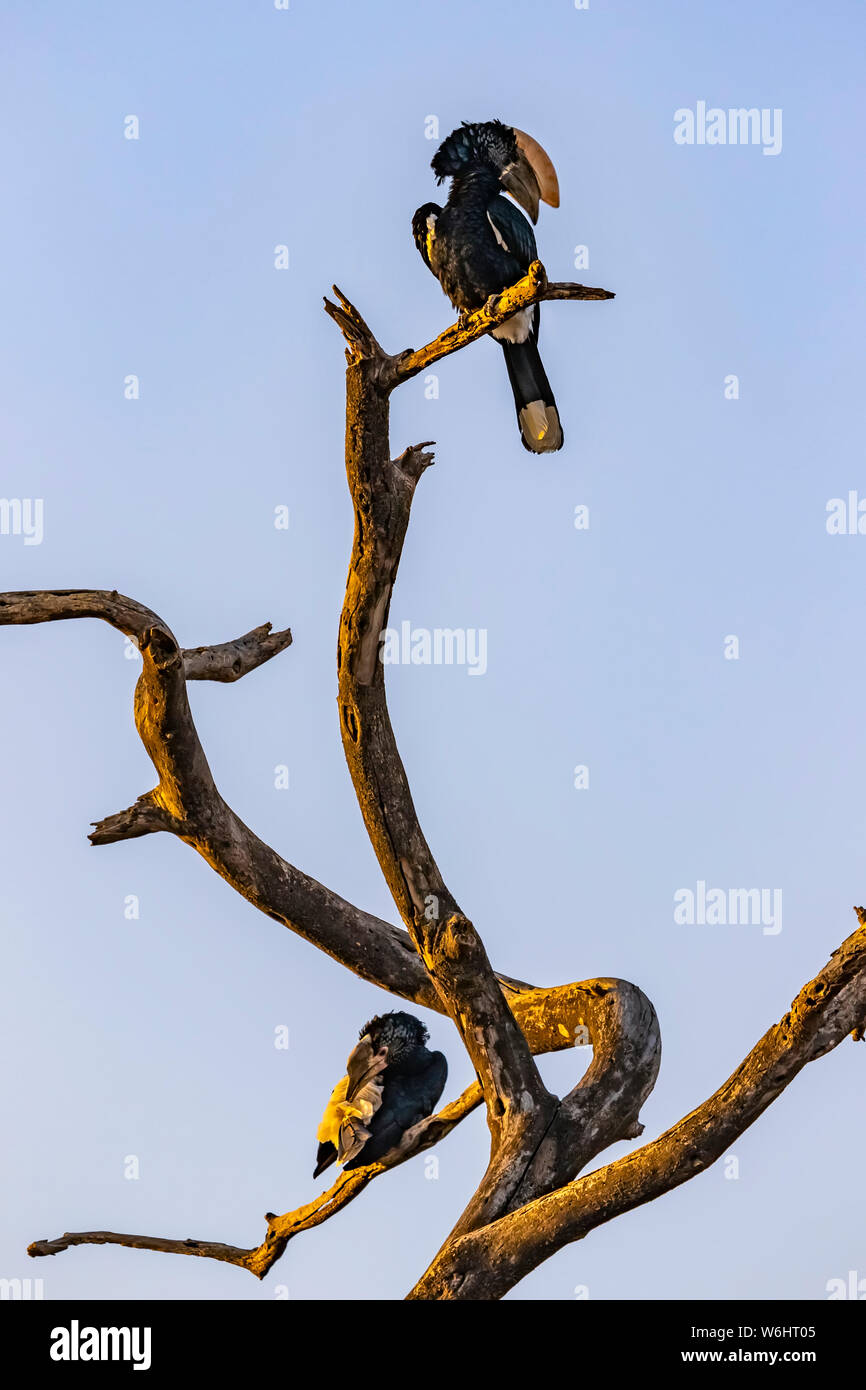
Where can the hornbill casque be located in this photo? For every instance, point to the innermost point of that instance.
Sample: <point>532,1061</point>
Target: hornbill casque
<point>479,244</point>
<point>392,1081</point>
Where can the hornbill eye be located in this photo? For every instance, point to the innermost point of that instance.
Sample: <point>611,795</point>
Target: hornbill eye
<point>542,168</point>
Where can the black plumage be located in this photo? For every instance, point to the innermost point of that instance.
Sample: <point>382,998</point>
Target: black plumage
<point>392,1081</point>
<point>479,243</point>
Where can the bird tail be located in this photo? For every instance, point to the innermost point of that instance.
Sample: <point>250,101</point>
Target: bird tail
<point>537,415</point>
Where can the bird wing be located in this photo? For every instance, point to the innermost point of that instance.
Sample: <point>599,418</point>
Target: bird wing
<point>408,1099</point>
<point>329,1126</point>
<point>353,1102</point>
<point>513,231</point>
<point>361,1100</point>
<point>515,234</point>
<point>433,1080</point>
<point>352,1138</point>
<point>423,229</point>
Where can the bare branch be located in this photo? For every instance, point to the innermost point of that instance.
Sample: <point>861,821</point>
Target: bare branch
<point>144,817</point>
<point>382,491</point>
<point>212,1250</point>
<point>525,1121</point>
<point>50,605</point>
<point>532,289</point>
<point>281,1229</point>
<point>370,947</point>
<point>554,1019</point>
<point>359,338</point>
<point>487,1263</point>
<point>231,660</point>
<point>392,370</point>
<point>188,804</point>
<point>605,1104</point>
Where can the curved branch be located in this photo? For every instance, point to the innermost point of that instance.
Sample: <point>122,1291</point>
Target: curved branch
<point>368,946</point>
<point>187,803</point>
<point>605,1104</point>
<point>486,1263</point>
<point>553,1019</point>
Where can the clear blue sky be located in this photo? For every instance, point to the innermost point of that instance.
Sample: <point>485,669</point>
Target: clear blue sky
<point>154,1037</point>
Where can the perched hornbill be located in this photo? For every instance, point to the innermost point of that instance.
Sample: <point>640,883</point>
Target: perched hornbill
<point>392,1081</point>
<point>479,244</point>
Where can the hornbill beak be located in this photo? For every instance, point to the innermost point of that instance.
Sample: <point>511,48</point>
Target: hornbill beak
<point>542,168</point>
<point>520,181</point>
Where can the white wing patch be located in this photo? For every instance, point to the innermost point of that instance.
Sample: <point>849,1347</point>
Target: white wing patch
<point>496,232</point>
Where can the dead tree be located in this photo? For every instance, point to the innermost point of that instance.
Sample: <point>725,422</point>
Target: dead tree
<point>531,1200</point>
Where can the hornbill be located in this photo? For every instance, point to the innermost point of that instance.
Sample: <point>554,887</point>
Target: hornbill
<point>392,1081</point>
<point>479,244</point>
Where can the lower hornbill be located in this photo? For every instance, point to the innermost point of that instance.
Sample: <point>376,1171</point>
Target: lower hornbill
<point>392,1082</point>
<point>479,244</point>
